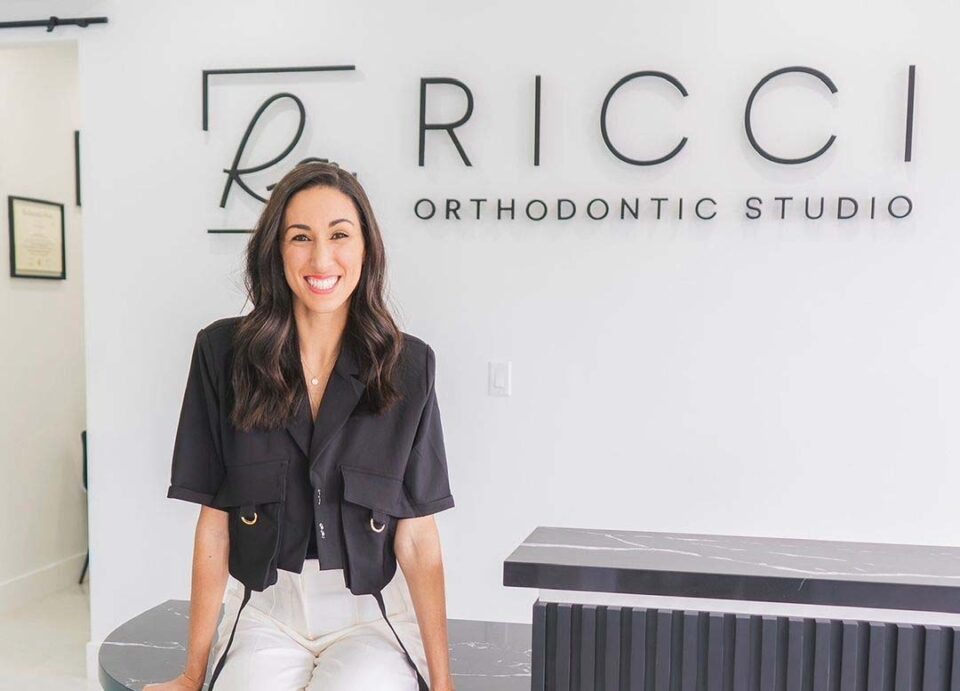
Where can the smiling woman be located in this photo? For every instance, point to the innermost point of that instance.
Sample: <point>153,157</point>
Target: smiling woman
<point>322,257</point>
<point>318,224</point>
<point>310,431</point>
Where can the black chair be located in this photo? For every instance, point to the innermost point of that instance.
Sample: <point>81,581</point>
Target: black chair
<point>86,562</point>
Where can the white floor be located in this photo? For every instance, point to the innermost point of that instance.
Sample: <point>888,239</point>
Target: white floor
<point>43,645</point>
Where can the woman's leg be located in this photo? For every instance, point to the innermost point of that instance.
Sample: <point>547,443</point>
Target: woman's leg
<point>363,659</point>
<point>356,650</point>
<point>263,656</point>
<point>264,659</point>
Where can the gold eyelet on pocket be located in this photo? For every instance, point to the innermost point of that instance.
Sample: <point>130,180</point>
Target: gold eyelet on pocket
<point>249,522</point>
<point>375,528</point>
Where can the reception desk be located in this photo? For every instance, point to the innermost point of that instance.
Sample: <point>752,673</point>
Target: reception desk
<point>687,612</point>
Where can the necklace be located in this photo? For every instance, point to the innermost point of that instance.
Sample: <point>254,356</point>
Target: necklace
<point>313,378</point>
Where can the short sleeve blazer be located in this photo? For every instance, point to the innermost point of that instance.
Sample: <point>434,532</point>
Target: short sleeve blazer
<point>368,469</point>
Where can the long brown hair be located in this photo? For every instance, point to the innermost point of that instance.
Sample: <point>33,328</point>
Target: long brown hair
<point>267,376</point>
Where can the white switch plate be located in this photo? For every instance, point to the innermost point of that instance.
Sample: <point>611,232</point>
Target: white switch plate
<point>498,378</point>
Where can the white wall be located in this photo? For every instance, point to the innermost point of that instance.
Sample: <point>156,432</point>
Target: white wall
<point>42,408</point>
<point>794,379</point>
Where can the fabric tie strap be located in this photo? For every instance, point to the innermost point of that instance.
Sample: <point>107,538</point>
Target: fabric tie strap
<point>421,683</point>
<point>223,657</point>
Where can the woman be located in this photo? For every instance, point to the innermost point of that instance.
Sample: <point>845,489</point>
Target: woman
<point>310,434</point>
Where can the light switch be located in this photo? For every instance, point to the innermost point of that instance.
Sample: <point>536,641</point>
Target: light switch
<point>498,383</point>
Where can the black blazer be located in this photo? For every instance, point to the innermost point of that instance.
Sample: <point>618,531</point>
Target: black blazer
<point>353,474</point>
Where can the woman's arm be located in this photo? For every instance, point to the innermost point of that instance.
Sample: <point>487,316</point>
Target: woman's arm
<point>417,545</point>
<point>211,551</point>
<point>210,558</point>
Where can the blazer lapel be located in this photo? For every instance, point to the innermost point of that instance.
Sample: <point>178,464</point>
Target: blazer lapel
<point>299,426</point>
<point>343,392</point>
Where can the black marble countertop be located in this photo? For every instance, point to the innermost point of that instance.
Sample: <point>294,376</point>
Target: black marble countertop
<point>821,572</point>
<point>151,647</point>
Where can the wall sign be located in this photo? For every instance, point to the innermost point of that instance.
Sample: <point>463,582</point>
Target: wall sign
<point>842,207</point>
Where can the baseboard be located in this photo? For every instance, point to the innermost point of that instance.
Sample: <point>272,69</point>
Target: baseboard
<point>29,587</point>
<point>93,660</point>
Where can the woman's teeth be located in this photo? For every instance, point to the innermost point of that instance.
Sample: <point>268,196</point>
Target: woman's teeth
<point>325,284</point>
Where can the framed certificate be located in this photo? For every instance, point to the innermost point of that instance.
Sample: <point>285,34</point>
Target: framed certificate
<point>36,239</point>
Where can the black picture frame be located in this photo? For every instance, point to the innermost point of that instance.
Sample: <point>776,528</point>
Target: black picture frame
<point>11,201</point>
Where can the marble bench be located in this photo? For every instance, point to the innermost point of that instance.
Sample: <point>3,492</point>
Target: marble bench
<point>151,647</point>
<point>645,611</point>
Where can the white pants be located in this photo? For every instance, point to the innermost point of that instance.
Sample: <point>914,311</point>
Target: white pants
<point>309,632</point>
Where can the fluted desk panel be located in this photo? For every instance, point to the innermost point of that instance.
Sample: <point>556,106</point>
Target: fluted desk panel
<point>693,612</point>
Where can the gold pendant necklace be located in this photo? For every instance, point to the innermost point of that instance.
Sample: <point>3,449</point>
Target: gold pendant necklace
<point>313,378</point>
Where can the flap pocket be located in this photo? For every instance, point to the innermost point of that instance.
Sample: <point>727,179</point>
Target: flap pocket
<point>253,483</point>
<point>379,493</point>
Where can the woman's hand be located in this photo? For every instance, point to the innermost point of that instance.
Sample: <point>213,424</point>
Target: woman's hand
<point>181,683</point>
